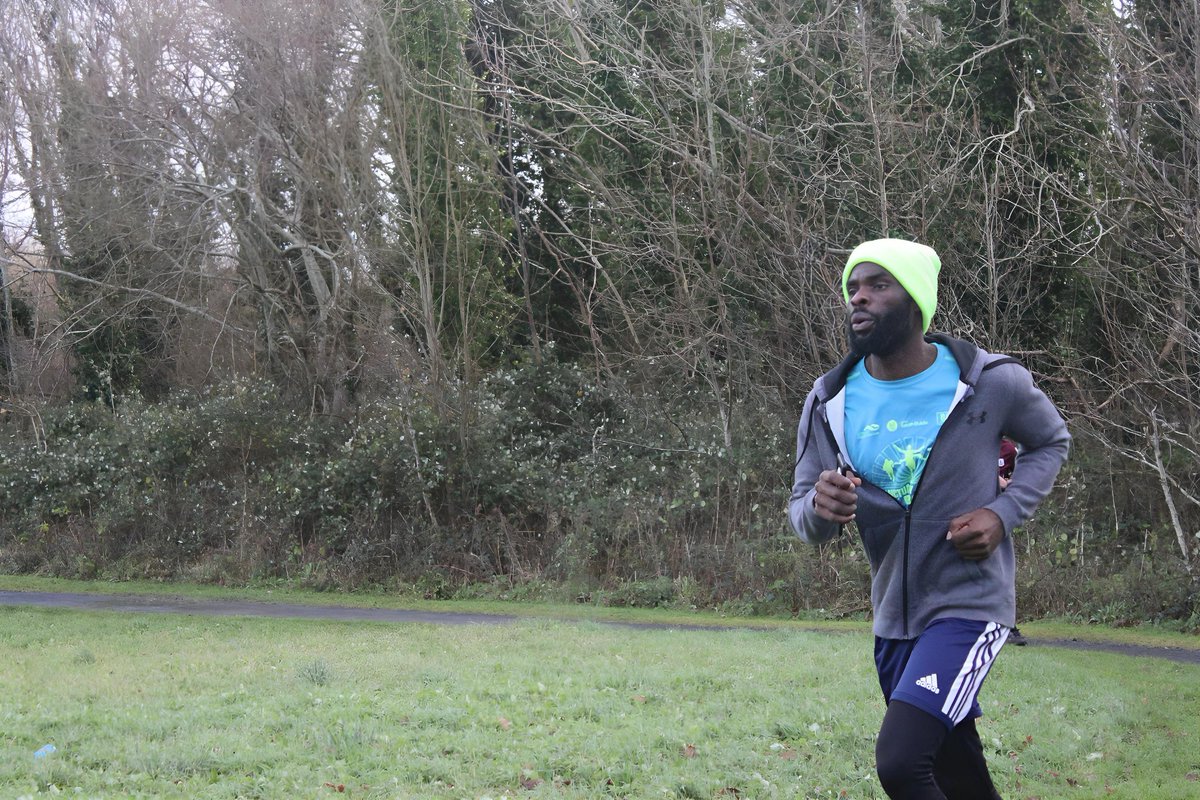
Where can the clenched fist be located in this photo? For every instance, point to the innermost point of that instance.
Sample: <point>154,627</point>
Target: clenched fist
<point>976,534</point>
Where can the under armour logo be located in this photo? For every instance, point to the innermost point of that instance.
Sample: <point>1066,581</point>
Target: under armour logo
<point>972,417</point>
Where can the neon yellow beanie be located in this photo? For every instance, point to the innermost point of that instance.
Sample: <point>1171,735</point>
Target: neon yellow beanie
<point>915,266</point>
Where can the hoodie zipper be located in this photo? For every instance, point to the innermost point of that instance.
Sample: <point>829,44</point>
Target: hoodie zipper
<point>904,571</point>
<point>908,510</point>
<point>907,515</point>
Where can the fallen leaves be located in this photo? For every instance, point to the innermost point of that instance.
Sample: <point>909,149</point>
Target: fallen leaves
<point>688,751</point>
<point>786,752</point>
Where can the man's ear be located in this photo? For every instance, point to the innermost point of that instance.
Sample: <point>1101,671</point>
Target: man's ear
<point>918,317</point>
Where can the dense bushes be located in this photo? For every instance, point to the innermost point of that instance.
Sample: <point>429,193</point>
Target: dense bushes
<point>546,474</point>
<point>552,483</point>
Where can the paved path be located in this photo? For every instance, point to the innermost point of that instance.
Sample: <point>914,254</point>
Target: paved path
<point>150,604</point>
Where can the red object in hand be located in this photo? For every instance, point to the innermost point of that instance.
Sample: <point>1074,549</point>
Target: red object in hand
<point>1008,458</point>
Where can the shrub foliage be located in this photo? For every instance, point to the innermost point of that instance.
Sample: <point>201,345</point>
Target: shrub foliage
<point>552,482</point>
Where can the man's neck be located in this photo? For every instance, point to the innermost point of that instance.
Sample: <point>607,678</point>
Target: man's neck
<point>917,355</point>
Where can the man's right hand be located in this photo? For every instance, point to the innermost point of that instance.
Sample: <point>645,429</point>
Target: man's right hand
<point>835,498</point>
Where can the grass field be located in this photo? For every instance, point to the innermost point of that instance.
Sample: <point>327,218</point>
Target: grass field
<point>171,706</point>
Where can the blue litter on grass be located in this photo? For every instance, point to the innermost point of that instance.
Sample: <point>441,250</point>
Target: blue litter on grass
<point>44,751</point>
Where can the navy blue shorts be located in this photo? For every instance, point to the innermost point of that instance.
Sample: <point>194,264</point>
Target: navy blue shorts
<point>942,670</point>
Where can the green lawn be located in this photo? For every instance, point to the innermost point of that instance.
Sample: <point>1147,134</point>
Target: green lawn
<point>172,706</point>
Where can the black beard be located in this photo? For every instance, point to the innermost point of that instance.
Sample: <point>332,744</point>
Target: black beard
<point>885,337</point>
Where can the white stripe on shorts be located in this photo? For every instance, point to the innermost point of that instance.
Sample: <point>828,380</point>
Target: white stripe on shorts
<point>974,669</point>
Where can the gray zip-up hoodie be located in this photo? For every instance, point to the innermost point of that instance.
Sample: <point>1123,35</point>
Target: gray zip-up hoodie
<point>916,574</point>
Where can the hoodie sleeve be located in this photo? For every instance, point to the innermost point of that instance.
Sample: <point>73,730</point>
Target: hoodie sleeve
<point>805,522</point>
<point>1039,428</point>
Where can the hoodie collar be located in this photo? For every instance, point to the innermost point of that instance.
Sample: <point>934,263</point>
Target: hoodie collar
<point>969,357</point>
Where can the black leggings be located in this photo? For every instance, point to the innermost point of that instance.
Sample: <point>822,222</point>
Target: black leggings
<point>918,759</point>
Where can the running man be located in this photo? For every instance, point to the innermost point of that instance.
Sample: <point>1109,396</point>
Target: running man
<point>901,438</point>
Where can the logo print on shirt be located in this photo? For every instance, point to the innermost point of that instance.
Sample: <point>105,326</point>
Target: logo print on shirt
<point>901,464</point>
<point>972,417</point>
<point>869,430</point>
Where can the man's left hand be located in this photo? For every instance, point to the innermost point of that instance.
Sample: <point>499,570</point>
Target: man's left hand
<point>976,534</point>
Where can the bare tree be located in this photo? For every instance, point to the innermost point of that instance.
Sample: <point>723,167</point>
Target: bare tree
<point>390,198</point>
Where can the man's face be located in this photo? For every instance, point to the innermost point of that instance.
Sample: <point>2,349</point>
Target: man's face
<point>882,316</point>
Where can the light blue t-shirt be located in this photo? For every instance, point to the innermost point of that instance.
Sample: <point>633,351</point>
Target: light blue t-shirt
<point>890,425</point>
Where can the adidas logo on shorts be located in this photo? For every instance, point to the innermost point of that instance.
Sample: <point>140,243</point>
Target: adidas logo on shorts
<point>929,682</point>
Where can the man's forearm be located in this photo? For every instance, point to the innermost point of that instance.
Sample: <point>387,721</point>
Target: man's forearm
<point>805,522</point>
